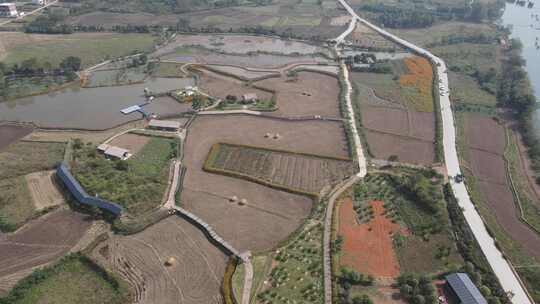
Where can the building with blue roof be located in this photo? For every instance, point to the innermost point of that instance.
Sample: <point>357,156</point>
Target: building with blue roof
<point>464,289</point>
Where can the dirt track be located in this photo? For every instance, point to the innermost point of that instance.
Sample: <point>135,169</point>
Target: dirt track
<point>270,215</point>
<point>39,242</point>
<point>193,277</point>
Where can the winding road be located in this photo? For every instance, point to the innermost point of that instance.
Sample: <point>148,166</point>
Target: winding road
<point>509,280</point>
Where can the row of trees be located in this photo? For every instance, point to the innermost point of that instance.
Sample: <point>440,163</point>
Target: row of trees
<point>416,289</point>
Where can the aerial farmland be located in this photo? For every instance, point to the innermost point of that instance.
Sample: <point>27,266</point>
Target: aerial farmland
<point>257,152</point>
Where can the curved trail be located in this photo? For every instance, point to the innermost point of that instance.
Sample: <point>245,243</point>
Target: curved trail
<point>509,280</point>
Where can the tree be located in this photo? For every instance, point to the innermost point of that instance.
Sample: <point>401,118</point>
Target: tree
<point>363,299</point>
<point>71,63</point>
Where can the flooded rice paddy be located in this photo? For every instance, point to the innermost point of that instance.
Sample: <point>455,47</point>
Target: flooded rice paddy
<point>92,108</point>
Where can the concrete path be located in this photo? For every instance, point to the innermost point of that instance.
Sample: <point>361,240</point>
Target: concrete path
<point>509,280</point>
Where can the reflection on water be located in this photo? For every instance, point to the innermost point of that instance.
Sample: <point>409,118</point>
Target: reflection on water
<point>94,108</point>
<point>525,25</point>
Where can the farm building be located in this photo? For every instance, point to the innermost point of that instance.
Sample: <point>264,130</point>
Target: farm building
<point>463,289</point>
<point>8,10</point>
<point>114,152</point>
<point>40,2</point>
<point>165,125</point>
<point>249,98</point>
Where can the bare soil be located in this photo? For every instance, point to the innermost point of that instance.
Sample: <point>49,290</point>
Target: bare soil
<point>132,142</point>
<point>43,190</point>
<point>193,276</point>
<point>40,242</point>
<point>308,94</point>
<point>12,133</point>
<point>486,143</point>
<point>270,215</point>
<point>408,149</point>
<point>220,86</point>
<point>367,247</point>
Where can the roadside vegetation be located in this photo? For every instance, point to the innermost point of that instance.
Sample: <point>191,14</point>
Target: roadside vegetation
<point>74,279</point>
<point>296,274</point>
<point>138,184</point>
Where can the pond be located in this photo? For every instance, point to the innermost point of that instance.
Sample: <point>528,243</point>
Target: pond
<point>92,108</point>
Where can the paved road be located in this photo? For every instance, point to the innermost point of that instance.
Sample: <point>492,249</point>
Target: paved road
<point>29,13</point>
<point>502,269</point>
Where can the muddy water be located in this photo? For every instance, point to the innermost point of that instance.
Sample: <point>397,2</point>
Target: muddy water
<point>92,108</point>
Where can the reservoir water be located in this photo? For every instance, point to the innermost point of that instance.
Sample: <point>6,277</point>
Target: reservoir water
<point>93,108</point>
<point>525,26</point>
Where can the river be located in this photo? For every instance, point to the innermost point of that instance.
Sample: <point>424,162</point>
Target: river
<point>526,27</point>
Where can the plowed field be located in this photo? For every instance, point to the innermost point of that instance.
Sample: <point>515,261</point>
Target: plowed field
<point>299,172</point>
<point>270,215</point>
<point>193,277</point>
<point>39,242</point>
<point>11,133</point>
<point>367,247</point>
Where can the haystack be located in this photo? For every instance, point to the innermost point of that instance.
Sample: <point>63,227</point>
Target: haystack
<point>234,198</point>
<point>170,261</point>
<point>243,202</point>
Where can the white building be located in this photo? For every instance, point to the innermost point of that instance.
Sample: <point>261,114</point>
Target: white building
<point>8,10</point>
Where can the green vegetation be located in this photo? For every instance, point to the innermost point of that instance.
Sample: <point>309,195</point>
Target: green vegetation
<point>137,184</point>
<point>413,199</point>
<point>25,157</point>
<point>349,278</point>
<point>227,284</point>
<point>74,279</point>
<point>92,49</point>
<point>16,205</point>
<point>165,69</point>
<point>261,267</point>
<point>416,289</point>
<point>476,264</point>
<point>298,272</point>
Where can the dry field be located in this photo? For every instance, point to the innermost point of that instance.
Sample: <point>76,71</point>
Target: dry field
<point>193,277</point>
<point>365,37</point>
<point>367,247</point>
<point>39,242</point>
<point>43,190</point>
<point>269,215</point>
<point>132,142</point>
<point>220,86</point>
<point>251,74</point>
<point>308,94</point>
<point>11,133</point>
<point>485,144</point>
<point>298,172</point>
<point>108,20</point>
<point>384,145</point>
<point>243,44</point>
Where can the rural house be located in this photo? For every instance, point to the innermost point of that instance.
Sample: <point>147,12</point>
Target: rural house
<point>463,289</point>
<point>114,152</point>
<point>249,98</point>
<point>8,10</point>
<point>165,125</point>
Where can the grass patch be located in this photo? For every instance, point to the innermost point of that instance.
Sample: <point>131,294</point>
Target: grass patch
<point>137,184</point>
<point>91,49</point>
<point>465,89</point>
<point>32,86</point>
<point>75,279</point>
<point>16,205</point>
<point>297,268</point>
<point>260,271</point>
<point>23,157</point>
<point>169,69</point>
<point>430,248</point>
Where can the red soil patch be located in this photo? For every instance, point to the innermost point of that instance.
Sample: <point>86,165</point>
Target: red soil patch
<point>367,248</point>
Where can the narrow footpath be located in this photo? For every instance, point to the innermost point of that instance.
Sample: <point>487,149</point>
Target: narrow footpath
<point>504,271</point>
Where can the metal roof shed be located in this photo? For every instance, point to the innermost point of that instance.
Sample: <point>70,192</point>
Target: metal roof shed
<point>164,124</point>
<point>465,289</point>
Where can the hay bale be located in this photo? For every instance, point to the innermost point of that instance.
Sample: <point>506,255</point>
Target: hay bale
<point>234,199</point>
<point>243,202</point>
<point>170,262</point>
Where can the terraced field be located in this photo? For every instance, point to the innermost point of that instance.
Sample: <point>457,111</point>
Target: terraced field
<point>169,262</point>
<point>302,173</point>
